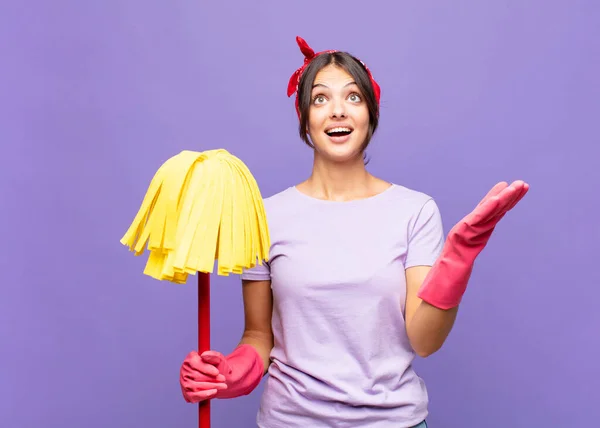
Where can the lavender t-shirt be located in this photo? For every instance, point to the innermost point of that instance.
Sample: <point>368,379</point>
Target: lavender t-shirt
<point>342,357</point>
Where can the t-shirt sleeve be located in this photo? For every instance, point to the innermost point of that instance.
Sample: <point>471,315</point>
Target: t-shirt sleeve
<point>426,236</point>
<point>260,272</point>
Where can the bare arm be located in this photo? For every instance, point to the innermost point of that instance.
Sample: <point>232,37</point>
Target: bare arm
<point>427,326</point>
<point>258,309</point>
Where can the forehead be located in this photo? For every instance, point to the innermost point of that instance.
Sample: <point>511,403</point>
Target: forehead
<point>333,75</point>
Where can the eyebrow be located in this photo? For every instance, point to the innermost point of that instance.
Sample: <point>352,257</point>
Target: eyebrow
<point>325,86</point>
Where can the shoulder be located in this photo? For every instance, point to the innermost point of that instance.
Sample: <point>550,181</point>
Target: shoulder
<point>281,205</point>
<point>411,199</point>
<point>414,209</point>
<point>279,200</point>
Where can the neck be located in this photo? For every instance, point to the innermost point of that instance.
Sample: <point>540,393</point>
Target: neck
<point>339,181</point>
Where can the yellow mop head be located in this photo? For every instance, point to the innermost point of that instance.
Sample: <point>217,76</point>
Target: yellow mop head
<point>200,207</point>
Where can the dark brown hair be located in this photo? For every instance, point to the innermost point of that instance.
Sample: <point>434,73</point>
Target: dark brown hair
<point>353,67</point>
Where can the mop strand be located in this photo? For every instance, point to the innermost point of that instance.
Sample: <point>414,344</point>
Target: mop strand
<point>200,207</point>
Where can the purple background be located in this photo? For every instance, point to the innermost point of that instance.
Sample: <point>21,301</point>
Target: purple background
<point>96,95</point>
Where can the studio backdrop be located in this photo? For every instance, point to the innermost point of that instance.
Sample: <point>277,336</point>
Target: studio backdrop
<point>95,96</point>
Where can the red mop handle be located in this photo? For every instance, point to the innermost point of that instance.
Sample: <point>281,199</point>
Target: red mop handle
<point>203,337</point>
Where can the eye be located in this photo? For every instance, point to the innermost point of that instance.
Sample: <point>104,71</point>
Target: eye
<point>354,97</point>
<point>319,99</point>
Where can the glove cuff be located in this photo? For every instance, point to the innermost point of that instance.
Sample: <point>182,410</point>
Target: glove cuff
<point>446,282</point>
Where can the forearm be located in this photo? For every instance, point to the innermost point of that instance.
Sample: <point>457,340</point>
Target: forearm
<point>429,327</point>
<point>263,343</point>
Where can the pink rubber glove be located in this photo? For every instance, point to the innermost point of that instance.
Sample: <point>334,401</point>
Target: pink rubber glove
<point>446,282</point>
<point>212,375</point>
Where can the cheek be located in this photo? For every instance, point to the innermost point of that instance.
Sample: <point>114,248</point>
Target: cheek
<point>363,120</point>
<point>316,119</point>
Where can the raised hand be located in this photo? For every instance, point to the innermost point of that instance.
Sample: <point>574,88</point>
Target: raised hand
<point>475,229</point>
<point>447,280</point>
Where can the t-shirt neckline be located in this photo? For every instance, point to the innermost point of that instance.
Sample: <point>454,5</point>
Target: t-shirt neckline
<point>379,195</point>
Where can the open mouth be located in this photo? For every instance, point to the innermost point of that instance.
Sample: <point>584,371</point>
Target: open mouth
<point>340,131</point>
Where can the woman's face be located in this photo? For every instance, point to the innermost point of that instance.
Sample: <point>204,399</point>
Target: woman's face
<point>338,116</point>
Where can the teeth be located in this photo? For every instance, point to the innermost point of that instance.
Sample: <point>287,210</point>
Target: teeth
<point>339,130</point>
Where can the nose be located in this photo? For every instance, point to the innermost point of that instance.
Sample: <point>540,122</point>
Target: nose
<point>338,109</point>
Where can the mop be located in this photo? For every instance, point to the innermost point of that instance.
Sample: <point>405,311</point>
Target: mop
<point>200,207</point>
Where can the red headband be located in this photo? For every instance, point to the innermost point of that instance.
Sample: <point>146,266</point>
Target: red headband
<point>309,55</point>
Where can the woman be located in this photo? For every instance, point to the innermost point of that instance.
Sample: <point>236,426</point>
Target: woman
<point>360,278</point>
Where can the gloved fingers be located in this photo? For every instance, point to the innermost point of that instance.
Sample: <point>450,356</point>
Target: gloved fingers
<point>498,187</point>
<point>509,198</point>
<point>201,372</point>
<point>522,188</point>
<point>196,397</point>
<point>191,386</point>
<point>198,376</point>
<point>212,357</point>
<point>497,205</point>
<point>508,204</point>
<point>218,360</point>
<point>194,364</point>
<point>487,210</point>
